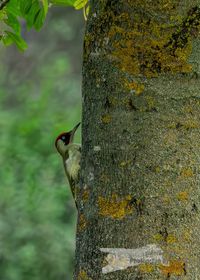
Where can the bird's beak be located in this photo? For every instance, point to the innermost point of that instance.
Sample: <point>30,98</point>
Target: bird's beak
<point>72,132</point>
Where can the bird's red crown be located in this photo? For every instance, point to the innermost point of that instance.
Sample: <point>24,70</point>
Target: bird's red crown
<point>67,137</point>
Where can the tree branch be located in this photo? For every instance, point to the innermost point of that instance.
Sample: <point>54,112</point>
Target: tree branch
<point>3,3</point>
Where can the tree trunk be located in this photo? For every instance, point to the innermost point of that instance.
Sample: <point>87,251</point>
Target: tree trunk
<point>139,194</point>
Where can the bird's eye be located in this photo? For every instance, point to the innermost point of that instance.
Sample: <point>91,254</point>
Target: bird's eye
<point>63,137</point>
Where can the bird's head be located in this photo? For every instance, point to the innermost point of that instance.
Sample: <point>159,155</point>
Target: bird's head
<point>64,139</point>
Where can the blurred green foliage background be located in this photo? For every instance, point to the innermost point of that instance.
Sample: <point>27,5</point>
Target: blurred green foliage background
<point>39,98</point>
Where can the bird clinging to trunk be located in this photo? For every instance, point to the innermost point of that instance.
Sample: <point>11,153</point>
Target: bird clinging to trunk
<point>71,155</point>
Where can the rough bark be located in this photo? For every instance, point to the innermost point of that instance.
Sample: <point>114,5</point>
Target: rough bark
<point>141,142</point>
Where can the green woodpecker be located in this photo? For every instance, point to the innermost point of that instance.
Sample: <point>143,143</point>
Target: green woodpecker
<point>71,155</point>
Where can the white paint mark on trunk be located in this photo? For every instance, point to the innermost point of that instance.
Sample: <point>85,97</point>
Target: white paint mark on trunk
<point>97,148</point>
<point>120,258</point>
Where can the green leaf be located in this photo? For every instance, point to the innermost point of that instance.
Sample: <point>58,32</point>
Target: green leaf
<point>13,22</point>
<point>45,6</point>
<point>32,14</point>
<point>25,6</point>
<point>13,7</point>
<point>39,19</point>
<point>63,2</point>
<point>7,40</point>
<point>79,4</point>
<point>15,38</point>
<point>2,14</point>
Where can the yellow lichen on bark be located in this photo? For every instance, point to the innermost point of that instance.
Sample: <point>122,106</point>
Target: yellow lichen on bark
<point>158,237</point>
<point>146,268</point>
<point>115,207</point>
<point>85,195</point>
<point>187,172</point>
<point>175,267</point>
<point>138,88</point>
<point>158,40</point>
<point>82,222</point>
<point>182,196</point>
<point>149,47</point>
<point>167,6</point>
<point>83,276</point>
<point>106,119</point>
<point>184,124</point>
<point>171,239</point>
<point>162,47</point>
